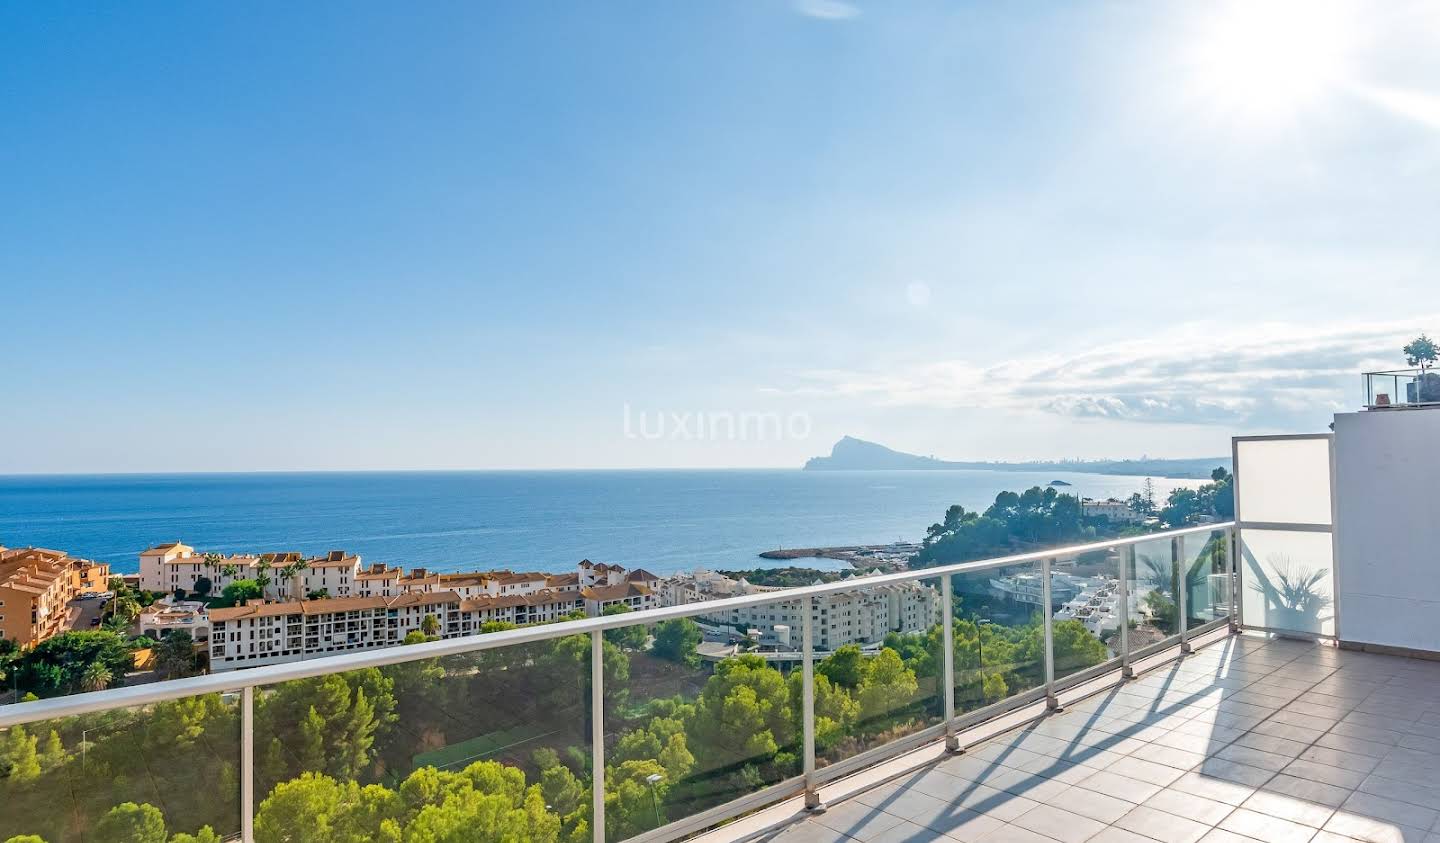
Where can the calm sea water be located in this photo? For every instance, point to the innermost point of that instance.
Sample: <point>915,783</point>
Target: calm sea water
<point>665,521</point>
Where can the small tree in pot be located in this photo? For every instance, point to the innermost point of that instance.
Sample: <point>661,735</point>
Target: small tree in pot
<point>1422,353</point>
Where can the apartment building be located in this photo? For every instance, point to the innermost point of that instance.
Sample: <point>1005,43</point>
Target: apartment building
<point>292,576</point>
<point>36,586</point>
<point>863,616</point>
<point>1117,511</point>
<point>260,633</point>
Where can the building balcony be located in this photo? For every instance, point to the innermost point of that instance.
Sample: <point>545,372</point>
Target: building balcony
<point>1401,388</point>
<point>1255,687</point>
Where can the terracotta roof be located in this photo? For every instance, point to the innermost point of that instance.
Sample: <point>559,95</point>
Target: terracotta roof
<point>640,574</point>
<point>166,546</point>
<point>34,570</point>
<point>507,578</point>
<point>332,604</point>
<point>378,572</point>
<point>605,593</point>
<point>476,604</point>
<point>332,562</point>
<point>464,579</point>
<point>562,580</point>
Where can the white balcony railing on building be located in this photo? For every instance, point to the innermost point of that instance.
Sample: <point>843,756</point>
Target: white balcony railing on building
<point>503,695</point>
<point>1401,388</point>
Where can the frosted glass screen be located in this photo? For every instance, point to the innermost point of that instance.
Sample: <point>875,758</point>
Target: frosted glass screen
<point>1284,481</point>
<point>1289,581</point>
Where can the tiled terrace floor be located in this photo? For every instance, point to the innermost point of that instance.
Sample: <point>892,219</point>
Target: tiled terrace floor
<point>1247,739</point>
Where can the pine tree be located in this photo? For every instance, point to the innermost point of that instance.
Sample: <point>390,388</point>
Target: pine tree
<point>17,753</point>
<point>52,755</point>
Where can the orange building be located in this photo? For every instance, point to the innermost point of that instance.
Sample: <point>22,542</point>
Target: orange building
<point>36,586</point>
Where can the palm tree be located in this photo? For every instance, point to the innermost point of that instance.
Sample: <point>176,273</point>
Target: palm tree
<point>430,625</point>
<point>97,677</point>
<point>1161,574</point>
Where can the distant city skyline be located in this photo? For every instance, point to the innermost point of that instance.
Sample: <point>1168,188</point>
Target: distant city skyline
<point>350,236</point>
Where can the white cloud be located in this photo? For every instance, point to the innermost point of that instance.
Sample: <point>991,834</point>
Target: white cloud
<point>827,9</point>
<point>1198,373</point>
<point>1421,107</point>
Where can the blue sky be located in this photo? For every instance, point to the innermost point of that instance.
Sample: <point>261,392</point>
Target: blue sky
<point>364,235</point>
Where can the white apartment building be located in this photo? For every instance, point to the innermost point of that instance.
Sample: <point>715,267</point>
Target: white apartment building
<point>168,615</point>
<point>683,589</point>
<point>859,617</point>
<point>173,565</point>
<point>263,632</point>
<point>1118,511</point>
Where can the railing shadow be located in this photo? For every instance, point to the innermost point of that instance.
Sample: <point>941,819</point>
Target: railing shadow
<point>961,809</point>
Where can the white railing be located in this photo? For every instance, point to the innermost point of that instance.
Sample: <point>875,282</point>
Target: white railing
<point>246,681</point>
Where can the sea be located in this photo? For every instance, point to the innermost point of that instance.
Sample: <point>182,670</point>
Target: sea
<point>664,521</point>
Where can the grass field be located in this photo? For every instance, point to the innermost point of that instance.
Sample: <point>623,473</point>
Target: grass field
<point>478,748</point>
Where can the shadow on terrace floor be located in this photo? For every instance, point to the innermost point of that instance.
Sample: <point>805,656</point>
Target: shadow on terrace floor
<point>1245,739</point>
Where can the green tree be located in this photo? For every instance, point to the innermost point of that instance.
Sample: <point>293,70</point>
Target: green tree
<point>175,654</point>
<point>844,667</point>
<point>1075,648</point>
<point>178,725</point>
<point>635,794</point>
<point>19,761</point>
<point>743,714</point>
<point>132,823</point>
<point>9,655</point>
<point>316,808</point>
<point>206,834</point>
<point>25,838</point>
<point>58,664</point>
<point>96,677</point>
<point>836,711</point>
<point>52,752</point>
<point>124,609</point>
<point>1420,352</point>
<point>430,625</point>
<point>889,686</point>
<point>993,687</point>
<point>626,637</point>
<point>239,592</point>
<point>203,586</point>
<point>1035,516</point>
<point>486,802</point>
<point>327,724</point>
<point>677,640</point>
<point>563,791</point>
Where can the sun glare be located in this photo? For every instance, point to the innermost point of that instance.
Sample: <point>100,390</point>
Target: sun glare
<point>1259,62</point>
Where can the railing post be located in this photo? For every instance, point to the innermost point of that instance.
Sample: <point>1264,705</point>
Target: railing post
<point>1177,562</point>
<point>1052,702</point>
<point>1232,575</point>
<point>1127,564</point>
<point>947,638</point>
<point>247,764</point>
<point>597,736</point>
<point>807,705</point>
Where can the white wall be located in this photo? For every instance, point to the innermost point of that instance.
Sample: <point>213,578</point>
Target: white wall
<point>1387,529</point>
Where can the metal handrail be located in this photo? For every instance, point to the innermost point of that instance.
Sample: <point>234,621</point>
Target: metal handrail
<point>93,701</point>
<point>247,680</point>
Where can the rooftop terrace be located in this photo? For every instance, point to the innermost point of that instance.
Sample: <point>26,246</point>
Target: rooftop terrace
<point>1269,679</point>
<point>1247,739</point>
